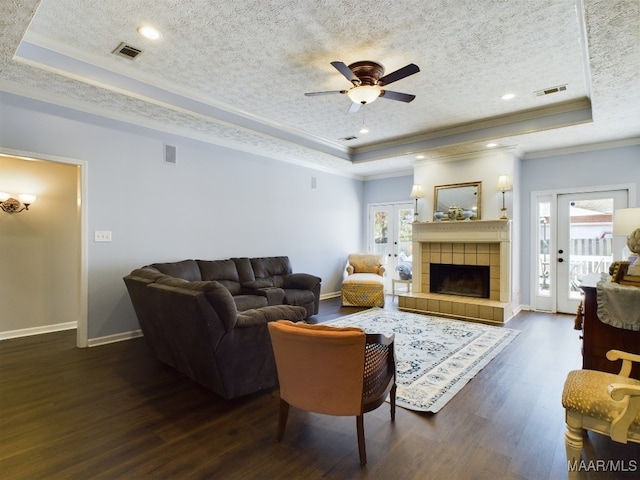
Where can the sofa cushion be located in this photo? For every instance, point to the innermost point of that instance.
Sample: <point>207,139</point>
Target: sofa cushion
<point>248,302</point>
<point>298,297</point>
<point>223,271</point>
<point>274,269</point>
<point>186,269</point>
<point>271,314</point>
<point>245,270</point>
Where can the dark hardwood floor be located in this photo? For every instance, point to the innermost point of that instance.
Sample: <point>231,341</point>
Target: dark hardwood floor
<point>113,412</point>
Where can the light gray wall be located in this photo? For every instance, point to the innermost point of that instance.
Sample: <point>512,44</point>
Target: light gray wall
<point>385,190</point>
<point>392,189</point>
<point>215,203</point>
<point>613,166</point>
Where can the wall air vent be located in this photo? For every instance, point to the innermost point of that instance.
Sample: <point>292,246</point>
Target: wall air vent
<point>347,139</point>
<point>127,51</point>
<point>550,90</point>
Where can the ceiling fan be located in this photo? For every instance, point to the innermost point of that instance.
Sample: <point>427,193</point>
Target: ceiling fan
<point>368,78</point>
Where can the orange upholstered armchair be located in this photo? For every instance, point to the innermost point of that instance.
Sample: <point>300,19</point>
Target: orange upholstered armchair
<point>334,371</point>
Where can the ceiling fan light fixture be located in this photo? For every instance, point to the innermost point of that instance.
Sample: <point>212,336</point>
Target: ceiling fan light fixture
<point>364,94</point>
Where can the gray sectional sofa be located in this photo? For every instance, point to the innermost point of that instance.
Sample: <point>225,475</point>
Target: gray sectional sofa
<point>208,318</point>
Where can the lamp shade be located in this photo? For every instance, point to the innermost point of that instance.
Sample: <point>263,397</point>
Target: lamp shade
<point>364,94</point>
<point>27,198</point>
<point>416,191</point>
<point>504,184</point>
<point>625,221</point>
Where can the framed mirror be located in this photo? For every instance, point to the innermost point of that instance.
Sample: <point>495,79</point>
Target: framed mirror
<point>457,201</point>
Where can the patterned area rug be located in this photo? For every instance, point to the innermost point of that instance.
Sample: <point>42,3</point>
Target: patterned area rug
<point>435,357</point>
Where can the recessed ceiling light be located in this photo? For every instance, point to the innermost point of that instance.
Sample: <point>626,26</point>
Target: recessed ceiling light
<point>491,145</point>
<point>419,157</point>
<point>508,96</point>
<point>149,32</point>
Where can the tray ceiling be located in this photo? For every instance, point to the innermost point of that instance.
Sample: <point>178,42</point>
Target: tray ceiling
<point>235,73</point>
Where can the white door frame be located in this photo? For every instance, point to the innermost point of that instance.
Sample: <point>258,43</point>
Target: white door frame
<point>81,190</point>
<point>390,258</point>
<point>551,304</point>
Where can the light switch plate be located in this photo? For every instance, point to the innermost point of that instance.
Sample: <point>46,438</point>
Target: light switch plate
<point>102,236</point>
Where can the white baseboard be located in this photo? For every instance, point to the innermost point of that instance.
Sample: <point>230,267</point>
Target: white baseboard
<point>326,296</point>
<point>27,332</point>
<point>119,337</point>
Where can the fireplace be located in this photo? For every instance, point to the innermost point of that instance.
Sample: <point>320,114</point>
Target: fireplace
<point>470,252</point>
<point>464,280</point>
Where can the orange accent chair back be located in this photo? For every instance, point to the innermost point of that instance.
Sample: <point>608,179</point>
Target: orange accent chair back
<point>332,370</point>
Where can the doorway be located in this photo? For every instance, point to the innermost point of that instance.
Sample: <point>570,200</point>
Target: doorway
<point>389,235</point>
<point>573,242</point>
<point>47,247</point>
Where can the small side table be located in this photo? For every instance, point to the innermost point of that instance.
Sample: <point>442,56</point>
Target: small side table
<point>393,286</point>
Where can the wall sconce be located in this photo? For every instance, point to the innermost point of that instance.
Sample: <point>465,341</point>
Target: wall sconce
<point>416,192</point>
<point>12,205</point>
<point>504,185</point>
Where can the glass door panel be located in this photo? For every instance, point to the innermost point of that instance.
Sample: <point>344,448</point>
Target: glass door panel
<point>573,239</point>
<point>585,241</point>
<point>390,229</point>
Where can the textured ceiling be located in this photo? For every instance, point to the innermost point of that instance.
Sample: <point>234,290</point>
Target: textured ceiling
<point>235,73</point>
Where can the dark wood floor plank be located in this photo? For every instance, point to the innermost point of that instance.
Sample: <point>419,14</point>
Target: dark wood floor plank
<point>113,412</point>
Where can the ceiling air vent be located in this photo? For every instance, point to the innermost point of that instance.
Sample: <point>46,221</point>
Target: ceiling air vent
<point>550,90</point>
<point>127,51</point>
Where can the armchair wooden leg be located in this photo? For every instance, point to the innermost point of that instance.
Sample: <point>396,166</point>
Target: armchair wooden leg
<point>282,419</point>
<point>361,446</point>
<point>392,401</point>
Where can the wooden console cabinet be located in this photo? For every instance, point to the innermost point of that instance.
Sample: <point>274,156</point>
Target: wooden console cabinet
<point>599,338</point>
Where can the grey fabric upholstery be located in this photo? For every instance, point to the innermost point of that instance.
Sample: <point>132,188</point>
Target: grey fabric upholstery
<point>253,282</point>
<point>300,289</point>
<point>185,269</point>
<point>195,327</point>
<point>223,271</point>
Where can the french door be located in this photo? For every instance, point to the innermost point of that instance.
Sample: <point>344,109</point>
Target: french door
<point>574,240</point>
<point>389,235</point>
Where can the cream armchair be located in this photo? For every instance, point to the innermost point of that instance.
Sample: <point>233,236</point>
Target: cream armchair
<point>363,285</point>
<point>602,402</point>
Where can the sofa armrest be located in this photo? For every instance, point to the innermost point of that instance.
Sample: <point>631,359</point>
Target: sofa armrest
<point>301,281</point>
<point>274,295</point>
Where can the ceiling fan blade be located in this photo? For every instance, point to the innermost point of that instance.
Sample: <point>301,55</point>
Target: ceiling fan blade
<point>344,70</point>
<point>330,92</point>
<point>353,108</point>
<point>399,74</point>
<point>401,97</point>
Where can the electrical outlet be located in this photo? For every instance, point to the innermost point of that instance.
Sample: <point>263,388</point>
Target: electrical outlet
<point>102,236</point>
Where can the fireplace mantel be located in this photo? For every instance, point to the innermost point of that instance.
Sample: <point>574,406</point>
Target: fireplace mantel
<point>491,239</point>
<point>463,231</point>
